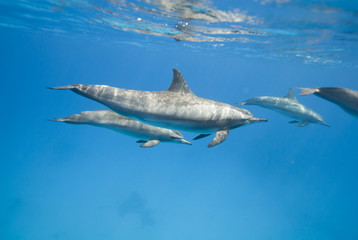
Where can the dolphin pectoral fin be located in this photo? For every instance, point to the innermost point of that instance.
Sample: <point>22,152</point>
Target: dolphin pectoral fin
<point>302,124</point>
<point>307,91</point>
<point>293,121</point>
<point>150,143</point>
<point>141,141</point>
<point>201,136</point>
<point>220,136</point>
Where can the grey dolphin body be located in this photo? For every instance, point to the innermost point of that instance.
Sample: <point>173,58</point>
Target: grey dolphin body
<point>176,108</point>
<point>111,120</point>
<point>346,98</point>
<point>288,106</point>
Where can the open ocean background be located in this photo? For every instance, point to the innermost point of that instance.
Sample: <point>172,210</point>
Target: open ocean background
<point>266,181</point>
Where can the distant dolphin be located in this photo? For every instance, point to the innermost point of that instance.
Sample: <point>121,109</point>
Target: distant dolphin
<point>176,108</point>
<point>288,106</point>
<point>343,97</point>
<point>149,135</point>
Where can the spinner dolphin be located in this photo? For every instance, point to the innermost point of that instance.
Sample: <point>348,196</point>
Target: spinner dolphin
<point>346,98</point>
<point>148,135</point>
<point>289,106</point>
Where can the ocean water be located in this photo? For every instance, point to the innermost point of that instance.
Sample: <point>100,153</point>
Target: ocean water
<point>266,181</point>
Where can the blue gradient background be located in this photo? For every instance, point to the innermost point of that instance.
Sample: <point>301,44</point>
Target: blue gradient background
<point>266,181</point>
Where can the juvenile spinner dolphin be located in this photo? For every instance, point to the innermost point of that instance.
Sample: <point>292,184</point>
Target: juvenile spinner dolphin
<point>288,106</point>
<point>148,135</point>
<point>343,97</point>
<point>178,108</point>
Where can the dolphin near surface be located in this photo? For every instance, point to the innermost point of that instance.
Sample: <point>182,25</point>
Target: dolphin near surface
<point>177,108</point>
<point>346,98</point>
<point>148,135</point>
<point>289,106</point>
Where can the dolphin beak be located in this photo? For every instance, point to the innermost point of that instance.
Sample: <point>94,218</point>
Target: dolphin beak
<point>185,141</point>
<point>325,124</point>
<point>258,120</point>
<point>57,119</point>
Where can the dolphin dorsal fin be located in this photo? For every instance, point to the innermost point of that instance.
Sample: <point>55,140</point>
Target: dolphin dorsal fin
<point>291,95</point>
<point>178,84</point>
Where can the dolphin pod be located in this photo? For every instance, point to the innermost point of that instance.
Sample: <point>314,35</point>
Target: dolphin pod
<point>149,135</point>
<point>346,98</point>
<point>289,106</point>
<point>177,108</point>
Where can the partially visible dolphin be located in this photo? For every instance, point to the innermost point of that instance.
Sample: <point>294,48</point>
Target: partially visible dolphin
<point>289,106</point>
<point>148,135</point>
<point>343,97</point>
<point>177,108</point>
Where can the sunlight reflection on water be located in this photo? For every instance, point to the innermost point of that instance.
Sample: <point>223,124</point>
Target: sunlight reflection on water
<point>313,33</point>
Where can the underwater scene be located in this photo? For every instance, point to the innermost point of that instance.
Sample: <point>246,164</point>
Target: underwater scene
<point>179,119</point>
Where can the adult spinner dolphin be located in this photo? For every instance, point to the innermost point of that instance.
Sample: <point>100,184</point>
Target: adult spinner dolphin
<point>289,106</point>
<point>148,135</point>
<point>343,97</point>
<point>177,108</point>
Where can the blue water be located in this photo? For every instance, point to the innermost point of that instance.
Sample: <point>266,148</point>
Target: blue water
<point>266,181</point>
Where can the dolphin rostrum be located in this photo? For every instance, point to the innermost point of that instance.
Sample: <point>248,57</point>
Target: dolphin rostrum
<point>288,106</point>
<point>343,97</point>
<point>178,108</point>
<point>148,135</point>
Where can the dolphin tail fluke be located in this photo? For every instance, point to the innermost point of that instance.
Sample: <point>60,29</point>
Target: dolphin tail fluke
<point>307,91</point>
<point>76,118</point>
<point>64,87</point>
<point>220,136</point>
<point>241,103</point>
